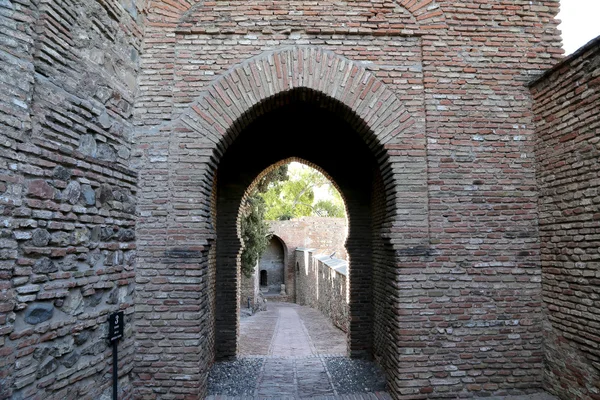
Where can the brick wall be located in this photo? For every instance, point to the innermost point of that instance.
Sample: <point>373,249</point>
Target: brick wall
<point>447,291</point>
<point>323,235</point>
<point>429,100</point>
<point>67,194</point>
<point>567,115</point>
<point>322,283</point>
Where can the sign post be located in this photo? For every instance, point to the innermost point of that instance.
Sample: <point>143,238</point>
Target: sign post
<point>115,332</point>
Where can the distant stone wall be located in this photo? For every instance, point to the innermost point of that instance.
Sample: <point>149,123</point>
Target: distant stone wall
<point>325,235</point>
<point>567,115</point>
<point>249,286</point>
<point>322,284</point>
<point>68,74</point>
<point>319,233</point>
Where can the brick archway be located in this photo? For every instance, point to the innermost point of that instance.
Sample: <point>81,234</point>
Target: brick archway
<point>198,141</point>
<point>260,84</point>
<point>222,110</point>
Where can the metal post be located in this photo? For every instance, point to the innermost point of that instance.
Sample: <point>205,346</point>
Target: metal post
<point>115,370</point>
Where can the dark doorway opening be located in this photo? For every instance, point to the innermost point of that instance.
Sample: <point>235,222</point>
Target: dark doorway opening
<point>263,278</point>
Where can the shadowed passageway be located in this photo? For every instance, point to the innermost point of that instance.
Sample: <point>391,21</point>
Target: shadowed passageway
<point>292,351</point>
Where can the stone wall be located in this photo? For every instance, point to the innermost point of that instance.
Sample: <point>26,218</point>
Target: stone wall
<point>327,235</point>
<point>249,287</point>
<point>322,283</point>
<point>67,194</point>
<point>567,115</point>
<point>319,233</point>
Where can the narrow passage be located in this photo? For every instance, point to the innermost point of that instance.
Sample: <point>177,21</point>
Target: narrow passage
<point>294,352</point>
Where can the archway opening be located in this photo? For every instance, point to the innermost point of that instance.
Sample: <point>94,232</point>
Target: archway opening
<point>306,125</point>
<point>271,264</point>
<point>264,279</point>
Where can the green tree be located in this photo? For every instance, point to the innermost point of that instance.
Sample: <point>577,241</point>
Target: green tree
<point>295,197</point>
<point>254,230</point>
<point>283,193</point>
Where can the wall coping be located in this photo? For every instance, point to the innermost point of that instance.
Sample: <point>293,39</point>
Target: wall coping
<point>338,265</point>
<point>578,53</point>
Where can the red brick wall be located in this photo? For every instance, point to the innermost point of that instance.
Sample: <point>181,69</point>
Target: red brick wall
<point>567,116</point>
<point>444,98</point>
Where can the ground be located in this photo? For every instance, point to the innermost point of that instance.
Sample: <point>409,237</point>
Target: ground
<point>291,351</point>
<point>294,352</point>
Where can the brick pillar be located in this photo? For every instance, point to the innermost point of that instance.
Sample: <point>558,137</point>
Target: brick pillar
<point>361,272</point>
<point>227,273</point>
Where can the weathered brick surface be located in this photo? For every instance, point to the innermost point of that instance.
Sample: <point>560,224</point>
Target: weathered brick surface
<point>428,100</point>
<point>444,257</point>
<point>67,196</point>
<point>322,283</point>
<point>567,116</point>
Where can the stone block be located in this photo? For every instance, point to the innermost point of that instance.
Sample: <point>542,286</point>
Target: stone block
<point>38,313</point>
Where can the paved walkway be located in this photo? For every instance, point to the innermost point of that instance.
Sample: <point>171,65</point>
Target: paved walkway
<point>294,352</point>
<point>290,330</point>
<point>302,358</point>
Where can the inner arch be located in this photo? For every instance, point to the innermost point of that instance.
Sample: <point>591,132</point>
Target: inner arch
<point>327,136</point>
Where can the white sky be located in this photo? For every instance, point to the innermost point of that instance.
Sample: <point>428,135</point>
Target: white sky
<point>580,22</point>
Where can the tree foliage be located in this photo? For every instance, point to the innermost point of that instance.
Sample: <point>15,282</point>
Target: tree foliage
<point>254,230</point>
<point>282,194</point>
<point>295,197</point>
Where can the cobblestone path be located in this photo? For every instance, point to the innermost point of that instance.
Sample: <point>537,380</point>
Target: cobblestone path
<point>293,352</point>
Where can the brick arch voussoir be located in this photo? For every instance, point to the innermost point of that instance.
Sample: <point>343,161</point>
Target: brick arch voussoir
<point>223,110</point>
<point>252,88</point>
<point>428,13</point>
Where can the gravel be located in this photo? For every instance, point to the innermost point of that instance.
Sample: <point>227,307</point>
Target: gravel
<point>355,376</point>
<point>239,377</point>
<point>234,378</point>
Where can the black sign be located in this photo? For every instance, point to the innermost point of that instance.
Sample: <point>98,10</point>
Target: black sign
<point>115,326</point>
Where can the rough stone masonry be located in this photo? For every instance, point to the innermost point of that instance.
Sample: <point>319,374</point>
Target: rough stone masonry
<point>131,130</point>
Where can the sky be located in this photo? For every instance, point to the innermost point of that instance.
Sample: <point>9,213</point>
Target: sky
<point>580,22</point>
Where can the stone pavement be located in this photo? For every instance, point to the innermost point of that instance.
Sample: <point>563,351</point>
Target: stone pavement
<point>297,344</point>
<point>290,330</point>
<point>360,396</point>
<point>301,356</point>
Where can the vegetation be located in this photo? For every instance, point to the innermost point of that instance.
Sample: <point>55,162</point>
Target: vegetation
<point>295,197</point>
<point>254,230</point>
<point>282,194</point>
